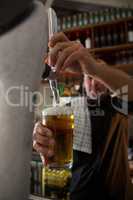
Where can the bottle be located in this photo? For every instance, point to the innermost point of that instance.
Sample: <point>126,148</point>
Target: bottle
<point>69,25</point>
<point>109,37</point>
<point>122,35</point>
<point>96,18</point>
<point>88,40</point>
<point>117,13</point>
<point>97,39</point>
<point>102,37</point>
<point>85,19</point>
<point>74,21</point>
<point>59,24</point>
<point>115,36</point>
<point>107,15</point>
<point>64,25</point>
<point>80,19</point>
<point>123,13</point>
<point>112,14</point>
<point>129,12</point>
<point>104,15</point>
<point>91,17</point>
<point>130,32</point>
<point>101,16</point>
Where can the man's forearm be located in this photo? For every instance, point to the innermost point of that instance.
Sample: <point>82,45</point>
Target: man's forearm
<point>114,79</point>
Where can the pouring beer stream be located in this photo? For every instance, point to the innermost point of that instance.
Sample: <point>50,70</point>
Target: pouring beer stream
<point>52,25</point>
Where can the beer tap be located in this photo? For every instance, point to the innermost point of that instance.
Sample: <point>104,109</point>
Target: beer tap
<point>51,71</point>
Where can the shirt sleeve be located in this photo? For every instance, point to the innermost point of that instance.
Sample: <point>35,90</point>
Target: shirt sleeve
<point>121,105</point>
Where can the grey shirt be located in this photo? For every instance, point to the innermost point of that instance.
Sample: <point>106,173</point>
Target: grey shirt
<point>21,64</point>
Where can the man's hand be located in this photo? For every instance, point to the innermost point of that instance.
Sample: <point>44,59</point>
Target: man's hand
<point>56,38</point>
<point>66,54</point>
<point>72,55</point>
<point>43,141</point>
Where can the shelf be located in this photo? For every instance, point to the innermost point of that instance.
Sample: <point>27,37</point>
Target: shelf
<point>113,48</point>
<point>91,26</point>
<point>33,197</point>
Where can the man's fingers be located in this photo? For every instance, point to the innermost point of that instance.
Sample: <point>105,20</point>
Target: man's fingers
<point>42,130</point>
<point>41,149</point>
<point>43,140</point>
<point>46,152</point>
<point>76,55</point>
<point>55,52</point>
<point>64,55</point>
<point>57,37</point>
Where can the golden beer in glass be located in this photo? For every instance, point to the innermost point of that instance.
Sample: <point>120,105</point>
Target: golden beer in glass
<point>60,120</point>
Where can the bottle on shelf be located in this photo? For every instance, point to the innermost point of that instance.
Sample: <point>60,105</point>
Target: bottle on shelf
<point>117,13</point>
<point>123,12</point>
<point>91,17</point>
<point>122,35</point>
<point>80,19</point>
<point>88,40</point>
<point>101,16</point>
<point>68,20</point>
<point>96,39</point>
<point>74,21</point>
<point>102,37</point>
<point>59,24</point>
<point>96,17</point>
<point>109,37</point>
<point>112,14</point>
<point>129,12</point>
<point>115,36</point>
<point>64,23</point>
<point>130,32</point>
<point>85,19</point>
<point>107,15</point>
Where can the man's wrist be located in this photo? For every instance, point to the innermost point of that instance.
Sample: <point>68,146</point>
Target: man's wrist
<point>90,66</point>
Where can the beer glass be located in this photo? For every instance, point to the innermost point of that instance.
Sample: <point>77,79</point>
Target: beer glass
<point>60,120</point>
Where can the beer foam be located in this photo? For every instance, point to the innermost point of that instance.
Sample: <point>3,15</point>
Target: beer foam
<point>57,110</point>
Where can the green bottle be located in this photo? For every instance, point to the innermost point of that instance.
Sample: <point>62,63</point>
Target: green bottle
<point>59,24</point>
<point>123,13</point>
<point>101,16</point>
<point>97,39</point>
<point>112,14</point>
<point>117,13</point>
<point>102,38</point>
<point>74,21</point>
<point>96,17</point>
<point>85,19</point>
<point>107,15</point>
<point>109,37</point>
<point>69,24</point>
<point>129,12</point>
<point>80,19</point>
<point>64,24</point>
<point>91,18</point>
